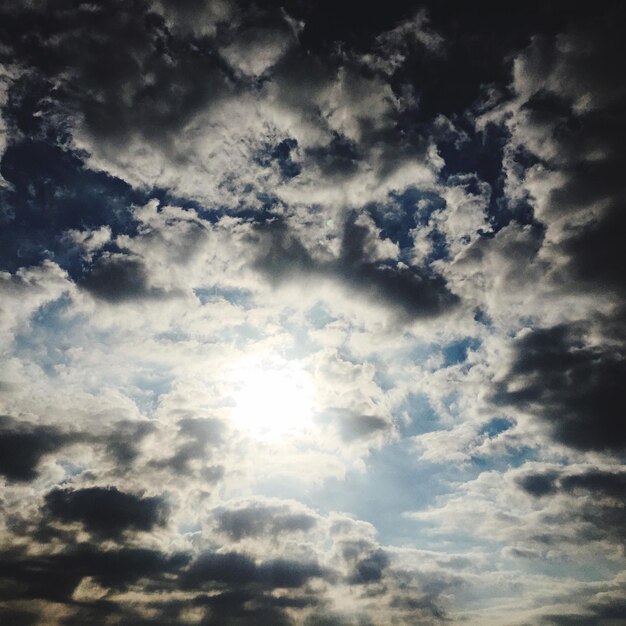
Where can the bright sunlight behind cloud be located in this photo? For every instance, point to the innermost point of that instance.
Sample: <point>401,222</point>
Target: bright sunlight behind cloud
<point>273,398</point>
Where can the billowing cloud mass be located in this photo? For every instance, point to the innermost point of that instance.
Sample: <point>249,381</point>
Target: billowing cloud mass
<point>312,314</point>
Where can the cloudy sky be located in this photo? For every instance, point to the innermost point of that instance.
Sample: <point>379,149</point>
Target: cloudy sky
<point>312,313</point>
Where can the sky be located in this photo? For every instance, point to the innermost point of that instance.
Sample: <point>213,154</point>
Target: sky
<point>312,313</point>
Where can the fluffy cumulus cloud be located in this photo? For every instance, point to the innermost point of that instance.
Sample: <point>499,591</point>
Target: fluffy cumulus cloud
<point>311,314</point>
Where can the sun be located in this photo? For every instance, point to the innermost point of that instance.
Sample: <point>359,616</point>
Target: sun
<point>273,398</point>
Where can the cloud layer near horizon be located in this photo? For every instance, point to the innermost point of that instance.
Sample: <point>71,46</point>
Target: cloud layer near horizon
<point>311,314</point>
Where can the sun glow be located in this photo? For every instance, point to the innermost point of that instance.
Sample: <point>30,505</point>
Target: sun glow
<point>272,399</point>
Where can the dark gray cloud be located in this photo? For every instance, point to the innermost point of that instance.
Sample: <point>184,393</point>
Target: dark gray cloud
<point>601,484</point>
<point>539,484</point>
<point>353,426</point>
<point>608,612</point>
<point>103,611</point>
<point>239,586</point>
<point>574,388</point>
<point>198,437</point>
<point>360,426</point>
<point>597,504</point>
<point>23,445</point>
<point>262,520</point>
<point>54,577</point>
<point>370,568</point>
<point>366,562</point>
<point>280,253</point>
<point>597,252</point>
<point>128,74</point>
<point>589,152</point>
<point>106,512</point>
<point>575,102</point>
<point>411,291</point>
<point>425,607</point>
<point>611,484</point>
<point>17,617</point>
<point>122,443</point>
<point>232,568</point>
<point>338,159</point>
<point>415,292</point>
<point>211,568</point>
<point>119,278</point>
<point>249,608</point>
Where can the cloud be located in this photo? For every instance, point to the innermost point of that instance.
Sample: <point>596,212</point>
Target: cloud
<point>106,511</point>
<point>17,617</point>
<point>23,445</point>
<point>54,577</point>
<point>412,292</point>
<point>166,110</point>
<point>122,443</point>
<point>393,46</point>
<point>29,288</point>
<point>198,17</point>
<point>367,565</point>
<point>6,76</point>
<point>358,426</point>
<point>199,436</point>
<point>263,519</point>
<point>596,499</point>
<point>602,484</point>
<point>572,387</point>
<point>256,49</point>
<point>415,211</point>
<point>406,288</point>
<point>119,278</point>
<point>542,511</point>
<point>238,569</point>
<point>539,484</point>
